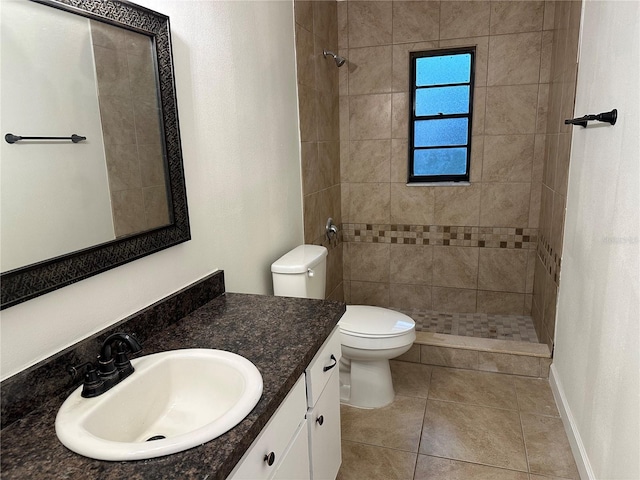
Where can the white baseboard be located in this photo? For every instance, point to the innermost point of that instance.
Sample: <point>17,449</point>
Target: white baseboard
<point>577,447</point>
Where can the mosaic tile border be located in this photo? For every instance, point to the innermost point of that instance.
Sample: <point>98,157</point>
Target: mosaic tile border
<point>465,236</point>
<point>550,258</point>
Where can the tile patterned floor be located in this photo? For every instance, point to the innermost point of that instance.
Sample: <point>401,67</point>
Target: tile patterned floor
<point>481,325</point>
<point>457,424</point>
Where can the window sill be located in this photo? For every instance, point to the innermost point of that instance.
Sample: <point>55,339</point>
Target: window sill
<point>439,184</point>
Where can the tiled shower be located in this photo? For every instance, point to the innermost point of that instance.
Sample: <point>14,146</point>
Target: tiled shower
<point>489,249</point>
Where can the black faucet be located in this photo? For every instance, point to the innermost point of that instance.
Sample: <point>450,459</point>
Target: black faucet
<point>111,370</point>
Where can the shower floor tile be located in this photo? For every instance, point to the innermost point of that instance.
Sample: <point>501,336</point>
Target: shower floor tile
<point>480,325</point>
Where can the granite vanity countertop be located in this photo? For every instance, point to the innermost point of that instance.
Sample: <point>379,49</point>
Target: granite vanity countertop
<point>279,335</point>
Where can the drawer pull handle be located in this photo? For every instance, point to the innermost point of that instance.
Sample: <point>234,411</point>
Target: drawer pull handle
<point>320,420</point>
<point>270,459</point>
<point>329,367</point>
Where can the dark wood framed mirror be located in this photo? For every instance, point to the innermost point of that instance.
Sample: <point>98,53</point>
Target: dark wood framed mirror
<point>45,275</point>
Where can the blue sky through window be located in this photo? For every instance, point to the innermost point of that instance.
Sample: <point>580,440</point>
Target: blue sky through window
<point>436,133</point>
<point>442,100</point>
<point>443,70</point>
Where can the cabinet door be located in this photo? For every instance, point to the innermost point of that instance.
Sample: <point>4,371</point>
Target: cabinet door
<point>324,432</point>
<point>274,439</point>
<point>295,463</point>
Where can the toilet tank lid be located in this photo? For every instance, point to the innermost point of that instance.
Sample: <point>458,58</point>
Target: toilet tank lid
<point>299,259</point>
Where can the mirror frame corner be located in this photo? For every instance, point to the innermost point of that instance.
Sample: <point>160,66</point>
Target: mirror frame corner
<point>25,283</point>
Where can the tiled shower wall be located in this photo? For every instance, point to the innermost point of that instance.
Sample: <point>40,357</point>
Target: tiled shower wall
<point>316,30</point>
<point>131,128</point>
<point>556,167</point>
<point>446,248</point>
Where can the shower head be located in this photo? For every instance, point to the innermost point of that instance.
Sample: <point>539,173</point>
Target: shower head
<point>338,59</point>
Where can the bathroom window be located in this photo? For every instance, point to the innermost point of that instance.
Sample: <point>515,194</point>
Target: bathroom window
<point>440,115</point>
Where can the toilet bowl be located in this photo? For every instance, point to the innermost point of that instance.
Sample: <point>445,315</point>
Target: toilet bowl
<point>370,336</point>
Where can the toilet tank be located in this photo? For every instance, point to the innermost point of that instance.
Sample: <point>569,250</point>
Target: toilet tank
<point>301,272</point>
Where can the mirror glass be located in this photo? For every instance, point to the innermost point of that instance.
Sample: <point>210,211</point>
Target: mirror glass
<point>70,209</point>
<point>59,197</point>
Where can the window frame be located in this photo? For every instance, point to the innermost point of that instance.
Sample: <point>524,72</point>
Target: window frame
<point>413,88</point>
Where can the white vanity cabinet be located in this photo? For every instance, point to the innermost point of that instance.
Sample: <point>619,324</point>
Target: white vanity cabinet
<point>323,414</point>
<point>301,441</point>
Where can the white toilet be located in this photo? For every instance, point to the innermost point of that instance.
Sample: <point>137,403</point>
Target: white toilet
<point>370,336</point>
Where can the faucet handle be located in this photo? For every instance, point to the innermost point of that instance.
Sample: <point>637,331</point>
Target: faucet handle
<point>74,370</point>
<point>331,230</point>
<point>93,385</point>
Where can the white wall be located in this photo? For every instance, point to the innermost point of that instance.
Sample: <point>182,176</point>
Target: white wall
<point>54,197</point>
<point>596,366</point>
<point>237,103</point>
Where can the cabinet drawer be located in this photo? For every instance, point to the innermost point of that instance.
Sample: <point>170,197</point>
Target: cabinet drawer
<point>322,366</point>
<point>274,438</point>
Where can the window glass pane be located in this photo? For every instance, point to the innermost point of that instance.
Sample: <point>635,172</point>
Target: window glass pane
<point>442,100</point>
<point>443,69</point>
<point>440,161</point>
<point>434,133</point>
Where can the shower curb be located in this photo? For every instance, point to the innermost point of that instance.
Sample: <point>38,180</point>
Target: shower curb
<point>483,354</point>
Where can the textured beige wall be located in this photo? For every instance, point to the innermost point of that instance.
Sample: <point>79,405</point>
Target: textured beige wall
<point>463,248</point>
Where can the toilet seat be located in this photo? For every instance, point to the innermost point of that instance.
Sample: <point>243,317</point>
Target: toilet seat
<point>375,322</point>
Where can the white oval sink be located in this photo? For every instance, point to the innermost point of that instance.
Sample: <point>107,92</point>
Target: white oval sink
<point>183,398</point>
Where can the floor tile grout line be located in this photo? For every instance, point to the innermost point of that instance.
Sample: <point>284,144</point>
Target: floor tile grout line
<point>477,463</point>
<point>424,414</point>
<point>382,446</point>
<point>524,443</point>
<point>474,405</point>
<point>415,464</point>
